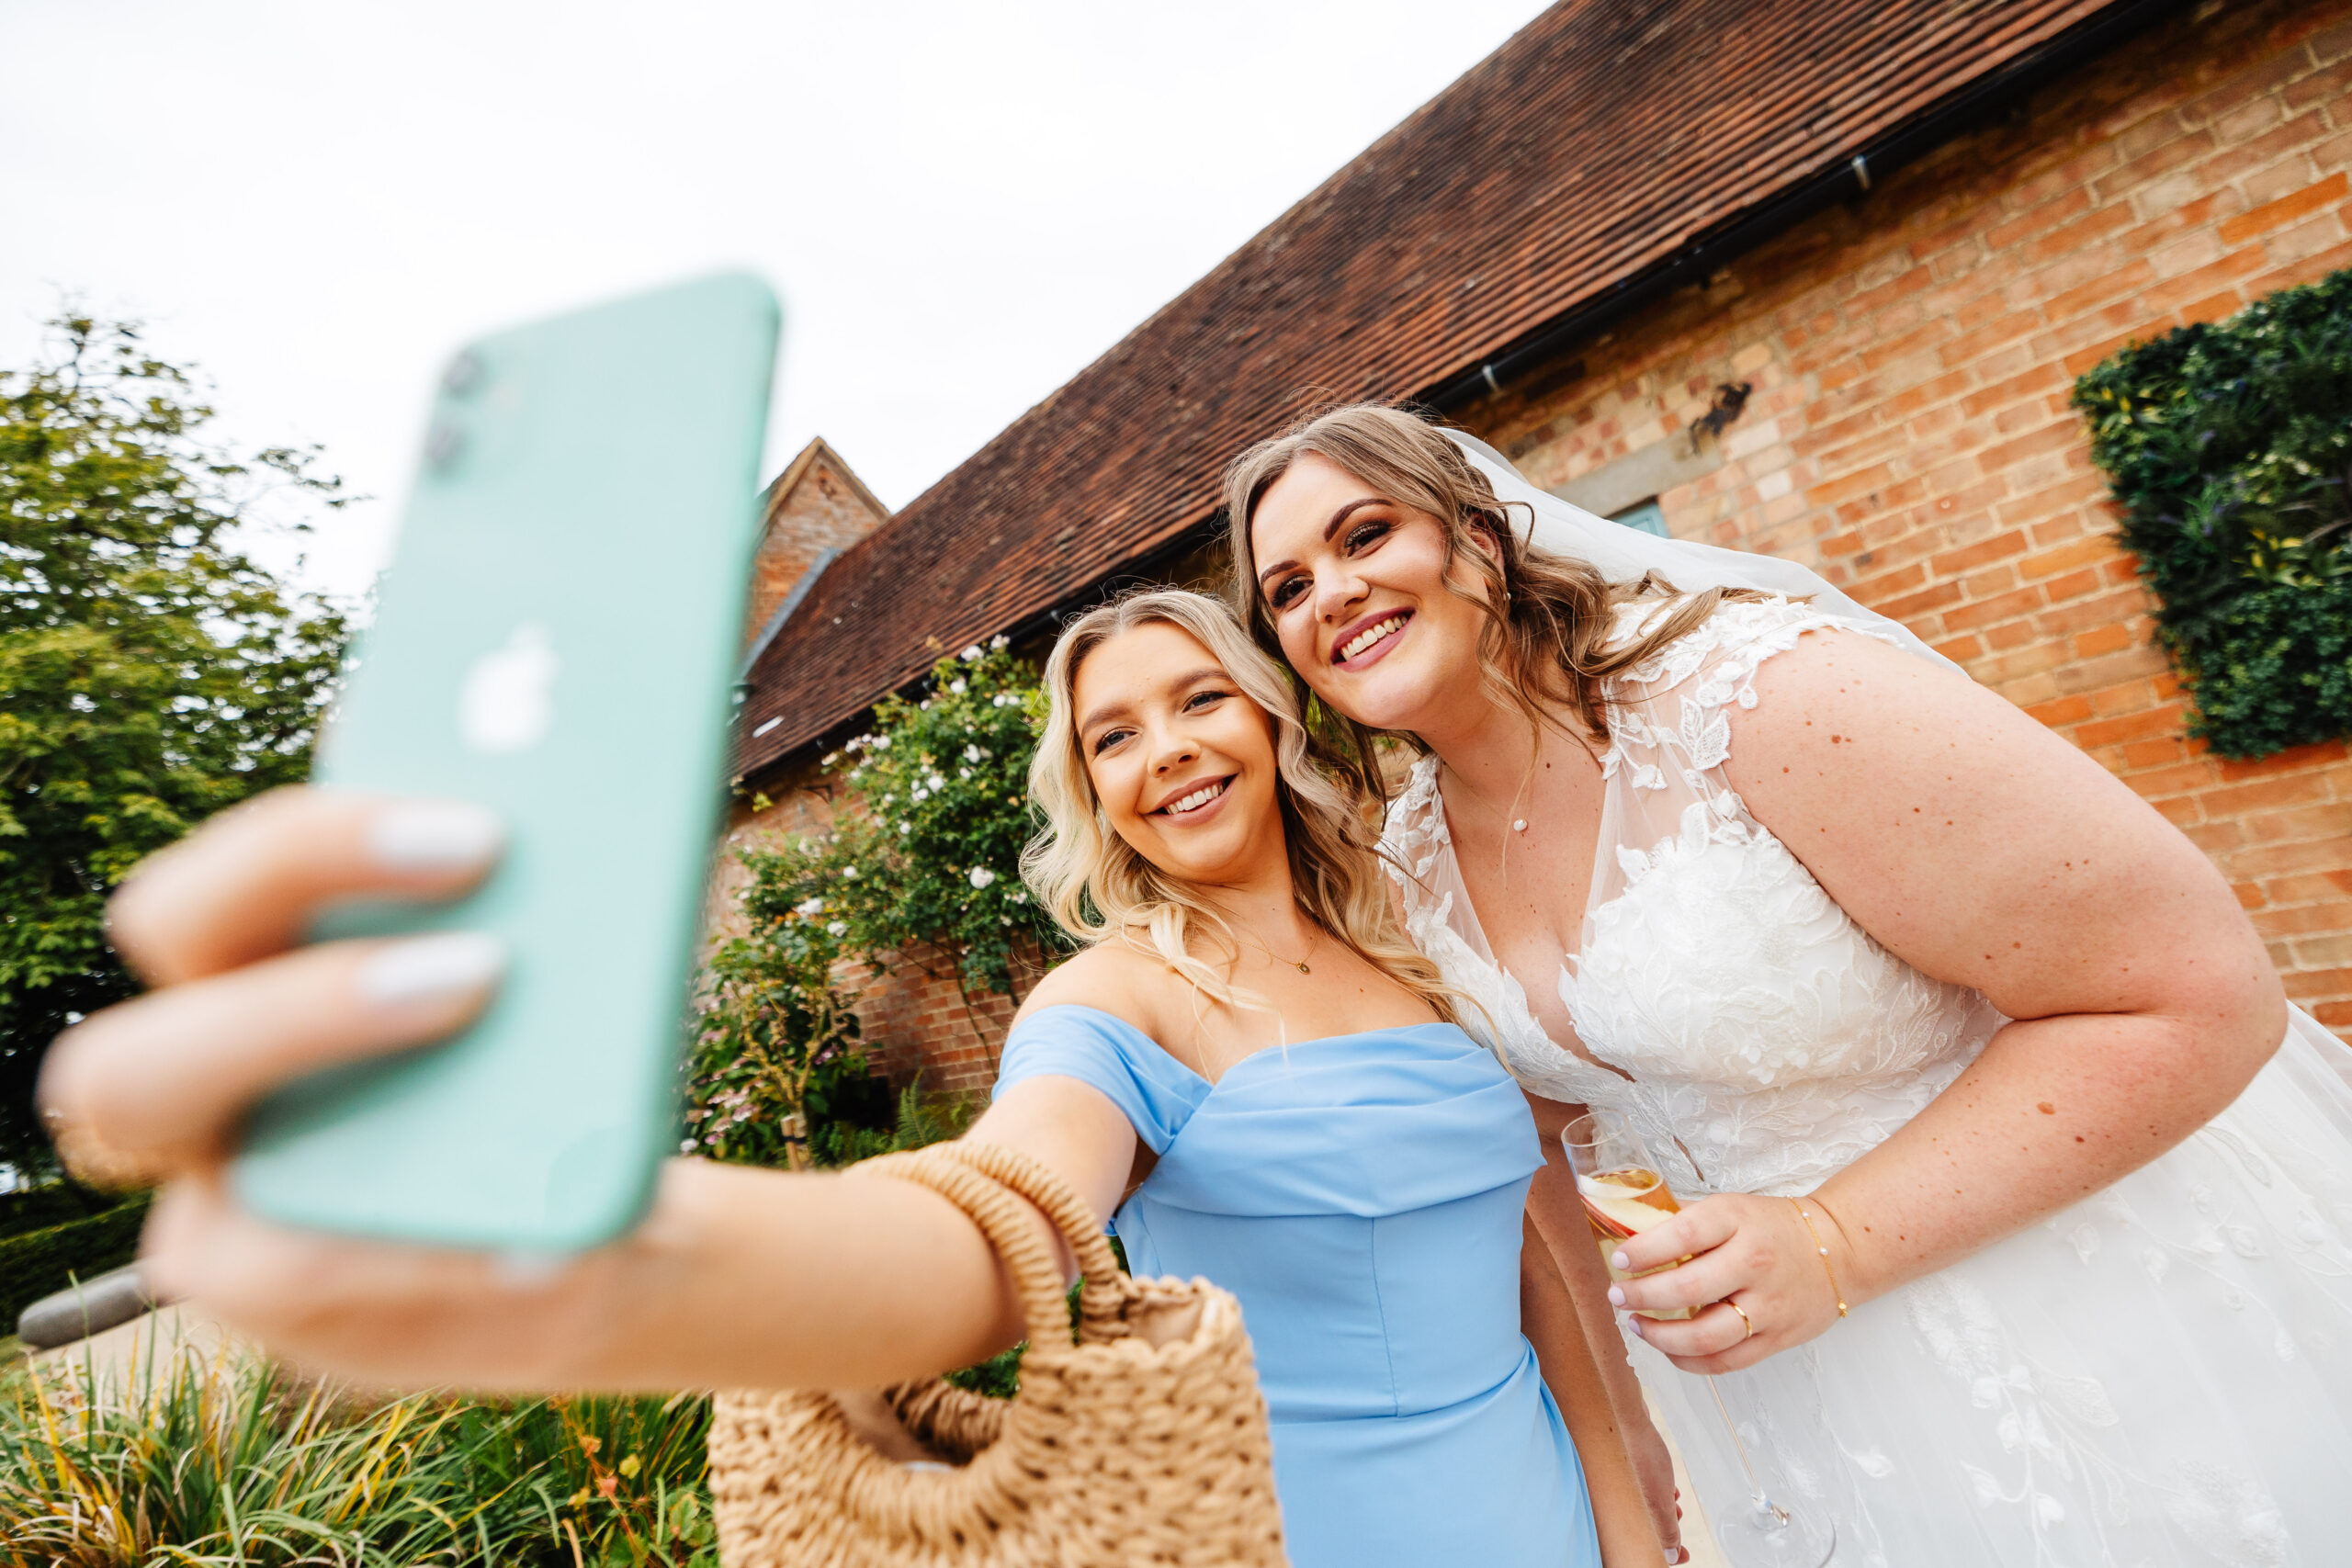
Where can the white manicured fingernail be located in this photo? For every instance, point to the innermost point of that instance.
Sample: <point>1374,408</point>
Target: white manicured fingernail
<point>1616,1297</point>
<point>1636,1325</point>
<point>434,835</point>
<point>429,968</point>
<point>1617,1260</point>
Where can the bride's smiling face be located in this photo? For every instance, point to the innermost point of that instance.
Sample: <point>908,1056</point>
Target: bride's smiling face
<point>1182,763</point>
<point>1356,586</point>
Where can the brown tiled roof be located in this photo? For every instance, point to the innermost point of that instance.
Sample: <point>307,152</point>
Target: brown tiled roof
<point>1602,139</point>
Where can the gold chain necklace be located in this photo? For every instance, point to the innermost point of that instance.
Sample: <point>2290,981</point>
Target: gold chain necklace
<point>1297,963</point>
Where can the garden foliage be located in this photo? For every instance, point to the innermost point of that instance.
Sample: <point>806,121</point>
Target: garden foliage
<point>151,673</point>
<point>227,1462</point>
<point>52,1204</point>
<point>928,856</point>
<point>36,1263</point>
<point>778,1047</point>
<point>2230,445</point>
<point>920,869</point>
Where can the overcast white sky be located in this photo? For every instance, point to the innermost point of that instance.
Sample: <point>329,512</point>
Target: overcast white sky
<point>962,205</point>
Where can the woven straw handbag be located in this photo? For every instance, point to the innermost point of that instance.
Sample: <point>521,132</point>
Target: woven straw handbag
<point>1144,1442</point>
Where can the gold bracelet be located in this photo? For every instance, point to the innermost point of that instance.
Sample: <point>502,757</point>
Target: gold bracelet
<point>1834,1288</point>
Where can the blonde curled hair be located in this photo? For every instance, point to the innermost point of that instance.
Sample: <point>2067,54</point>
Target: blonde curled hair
<point>1100,889</point>
<point>1551,633</point>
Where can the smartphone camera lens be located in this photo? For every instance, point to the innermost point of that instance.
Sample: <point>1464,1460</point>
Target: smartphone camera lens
<point>443,443</point>
<point>464,373</point>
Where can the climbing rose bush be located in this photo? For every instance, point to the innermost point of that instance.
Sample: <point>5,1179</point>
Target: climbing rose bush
<point>920,869</point>
<point>931,854</point>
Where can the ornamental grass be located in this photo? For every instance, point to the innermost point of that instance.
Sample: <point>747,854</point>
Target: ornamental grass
<point>225,1461</point>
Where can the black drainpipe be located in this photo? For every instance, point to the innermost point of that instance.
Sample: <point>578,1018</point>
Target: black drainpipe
<point>1843,181</point>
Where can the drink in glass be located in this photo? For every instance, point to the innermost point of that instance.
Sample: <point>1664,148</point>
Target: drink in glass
<point>1625,1194</point>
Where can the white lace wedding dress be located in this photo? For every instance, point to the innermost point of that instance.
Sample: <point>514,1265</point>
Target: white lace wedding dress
<point>2160,1375</point>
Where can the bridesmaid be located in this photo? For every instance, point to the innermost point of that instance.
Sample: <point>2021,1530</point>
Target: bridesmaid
<point>1248,1062</point>
<point>1890,978</point>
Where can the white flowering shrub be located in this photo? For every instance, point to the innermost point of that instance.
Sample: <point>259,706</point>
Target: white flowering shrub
<point>921,867</point>
<point>943,784</point>
<point>776,1038</point>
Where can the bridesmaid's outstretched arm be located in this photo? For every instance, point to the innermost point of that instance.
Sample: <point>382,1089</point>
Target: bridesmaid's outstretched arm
<point>738,1278</point>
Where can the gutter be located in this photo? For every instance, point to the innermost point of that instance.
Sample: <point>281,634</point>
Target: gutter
<point>1851,177</point>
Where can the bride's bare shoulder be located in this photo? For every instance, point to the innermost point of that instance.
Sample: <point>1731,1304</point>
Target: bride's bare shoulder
<point>1832,688</point>
<point>1970,839</point>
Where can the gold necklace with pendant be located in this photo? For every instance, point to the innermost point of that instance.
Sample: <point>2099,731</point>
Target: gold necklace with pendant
<point>1297,963</point>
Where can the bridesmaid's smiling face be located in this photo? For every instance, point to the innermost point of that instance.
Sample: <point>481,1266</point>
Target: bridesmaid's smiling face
<point>1358,590</point>
<point>1182,762</point>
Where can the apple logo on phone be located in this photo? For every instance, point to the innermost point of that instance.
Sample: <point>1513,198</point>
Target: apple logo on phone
<point>506,702</point>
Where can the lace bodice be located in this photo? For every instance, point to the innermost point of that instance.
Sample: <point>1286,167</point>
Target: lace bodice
<point>1764,1039</point>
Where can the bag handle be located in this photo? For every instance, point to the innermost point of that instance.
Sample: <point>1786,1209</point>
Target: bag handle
<point>989,1182</point>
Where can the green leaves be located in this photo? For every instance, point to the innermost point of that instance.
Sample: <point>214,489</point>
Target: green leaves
<point>774,1031</point>
<point>151,673</point>
<point>2230,445</point>
<point>944,781</point>
<point>921,868</point>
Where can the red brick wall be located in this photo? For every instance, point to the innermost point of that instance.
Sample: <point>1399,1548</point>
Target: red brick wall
<point>913,1017</point>
<point>917,1019</point>
<point>1909,436</point>
<point>816,504</point>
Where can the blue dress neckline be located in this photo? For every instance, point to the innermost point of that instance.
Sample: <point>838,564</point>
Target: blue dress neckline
<point>1213,1084</point>
<point>1365,1201</point>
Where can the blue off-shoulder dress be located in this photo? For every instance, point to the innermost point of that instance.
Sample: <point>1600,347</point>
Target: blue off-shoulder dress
<point>1360,1195</point>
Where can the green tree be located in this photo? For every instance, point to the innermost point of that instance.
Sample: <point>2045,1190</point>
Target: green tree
<point>150,671</point>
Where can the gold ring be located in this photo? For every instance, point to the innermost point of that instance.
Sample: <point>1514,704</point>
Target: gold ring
<point>1744,1318</point>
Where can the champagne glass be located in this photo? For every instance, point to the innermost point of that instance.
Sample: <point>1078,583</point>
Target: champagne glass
<point>1625,1194</point>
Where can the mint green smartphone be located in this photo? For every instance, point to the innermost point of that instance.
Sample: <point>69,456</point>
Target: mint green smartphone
<point>555,639</point>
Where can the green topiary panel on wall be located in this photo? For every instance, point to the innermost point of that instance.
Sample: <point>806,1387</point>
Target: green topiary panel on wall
<point>2230,445</point>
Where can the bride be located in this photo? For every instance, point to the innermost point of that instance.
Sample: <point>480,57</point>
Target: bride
<point>2017,1204</point>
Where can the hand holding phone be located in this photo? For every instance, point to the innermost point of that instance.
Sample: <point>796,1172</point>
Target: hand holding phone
<point>160,1084</point>
<point>554,641</point>
<point>517,878</point>
<point>737,1277</point>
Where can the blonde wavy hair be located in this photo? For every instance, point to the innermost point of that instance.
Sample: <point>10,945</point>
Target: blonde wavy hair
<point>1550,633</point>
<point>1098,890</point>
